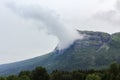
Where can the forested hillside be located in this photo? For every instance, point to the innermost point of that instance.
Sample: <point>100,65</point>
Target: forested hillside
<point>96,51</point>
<point>40,73</point>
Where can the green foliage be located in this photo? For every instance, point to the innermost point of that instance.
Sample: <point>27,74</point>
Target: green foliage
<point>24,77</point>
<point>96,51</point>
<point>40,73</point>
<point>118,77</point>
<point>114,68</point>
<point>93,77</point>
<point>66,77</point>
<point>116,37</point>
<point>112,77</point>
<point>24,73</point>
<point>12,77</point>
<point>2,78</point>
<point>56,75</point>
<point>76,75</point>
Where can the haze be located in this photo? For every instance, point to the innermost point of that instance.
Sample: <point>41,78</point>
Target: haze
<point>22,39</point>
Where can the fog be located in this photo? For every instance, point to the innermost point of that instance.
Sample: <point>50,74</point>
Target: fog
<point>23,36</point>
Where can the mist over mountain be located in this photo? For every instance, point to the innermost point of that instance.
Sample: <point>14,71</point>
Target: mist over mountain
<point>28,26</point>
<point>51,22</point>
<point>97,50</point>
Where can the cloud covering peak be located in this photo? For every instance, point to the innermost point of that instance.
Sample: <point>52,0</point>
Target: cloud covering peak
<point>51,21</point>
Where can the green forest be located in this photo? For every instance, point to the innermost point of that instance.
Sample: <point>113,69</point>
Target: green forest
<point>40,73</point>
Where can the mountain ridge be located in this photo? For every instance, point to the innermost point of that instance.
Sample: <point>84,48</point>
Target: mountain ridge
<point>97,50</point>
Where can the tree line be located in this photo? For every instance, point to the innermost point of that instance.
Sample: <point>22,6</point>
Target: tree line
<point>40,73</point>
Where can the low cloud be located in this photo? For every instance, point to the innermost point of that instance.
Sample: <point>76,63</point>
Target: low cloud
<point>51,21</point>
<point>106,20</point>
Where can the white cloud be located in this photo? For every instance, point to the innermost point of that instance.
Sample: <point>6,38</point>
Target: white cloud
<point>105,20</point>
<point>66,35</point>
<point>21,38</point>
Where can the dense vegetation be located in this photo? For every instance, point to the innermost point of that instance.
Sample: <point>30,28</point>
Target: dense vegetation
<point>40,73</point>
<point>96,51</point>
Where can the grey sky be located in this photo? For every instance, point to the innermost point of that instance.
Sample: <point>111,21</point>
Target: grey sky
<point>21,39</point>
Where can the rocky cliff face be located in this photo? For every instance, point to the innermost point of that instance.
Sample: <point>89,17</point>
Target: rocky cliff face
<point>97,50</point>
<point>94,40</point>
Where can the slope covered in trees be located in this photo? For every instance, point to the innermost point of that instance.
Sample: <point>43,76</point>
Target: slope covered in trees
<point>40,73</point>
<point>97,50</point>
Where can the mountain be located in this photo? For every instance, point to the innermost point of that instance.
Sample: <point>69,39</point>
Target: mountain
<point>97,50</point>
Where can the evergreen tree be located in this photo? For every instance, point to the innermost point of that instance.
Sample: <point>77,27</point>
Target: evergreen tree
<point>25,73</point>
<point>118,77</point>
<point>112,77</point>
<point>114,68</point>
<point>12,77</point>
<point>24,77</point>
<point>106,76</point>
<point>56,75</point>
<point>40,73</point>
<point>76,75</point>
<point>66,77</point>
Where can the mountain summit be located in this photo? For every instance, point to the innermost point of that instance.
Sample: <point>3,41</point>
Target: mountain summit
<point>97,50</point>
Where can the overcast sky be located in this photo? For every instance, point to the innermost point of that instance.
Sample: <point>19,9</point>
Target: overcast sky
<point>22,39</point>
